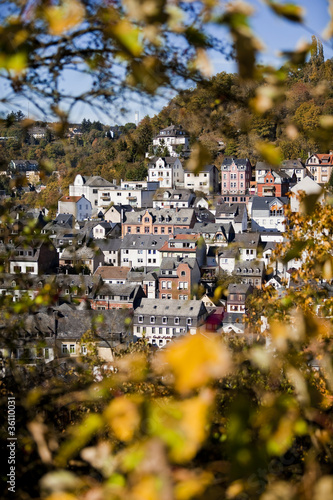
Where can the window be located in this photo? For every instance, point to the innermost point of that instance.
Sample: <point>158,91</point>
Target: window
<point>65,349</point>
<point>189,321</point>
<point>95,191</point>
<point>176,321</point>
<point>30,269</point>
<point>140,319</point>
<point>164,284</point>
<point>46,353</point>
<point>146,229</point>
<point>152,320</point>
<point>83,349</point>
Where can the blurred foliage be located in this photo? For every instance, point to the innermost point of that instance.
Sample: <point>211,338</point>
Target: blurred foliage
<point>207,417</point>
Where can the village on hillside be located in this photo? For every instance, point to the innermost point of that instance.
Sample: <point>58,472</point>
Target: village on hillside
<point>149,255</point>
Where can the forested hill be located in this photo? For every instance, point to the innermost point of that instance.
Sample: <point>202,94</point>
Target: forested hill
<point>225,110</point>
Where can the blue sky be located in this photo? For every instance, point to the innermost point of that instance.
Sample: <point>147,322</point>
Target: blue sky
<point>275,33</point>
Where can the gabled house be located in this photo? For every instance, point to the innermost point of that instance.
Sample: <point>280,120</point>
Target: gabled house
<point>294,167</point>
<point>168,171</point>
<point>235,177</point>
<point>110,249</point>
<point>227,258</point>
<point>235,213</point>
<point>273,182</point>
<point>106,230</point>
<point>84,256</point>
<point>34,257</point>
<point>115,213</point>
<point>237,294</point>
<point>320,167</point>
<point>159,321</point>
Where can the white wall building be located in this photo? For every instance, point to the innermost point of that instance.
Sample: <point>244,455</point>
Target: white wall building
<point>167,171</point>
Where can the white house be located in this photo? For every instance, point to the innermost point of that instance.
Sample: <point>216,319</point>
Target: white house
<point>168,171</point>
<point>88,187</point>
<point>140,250</point>
<point>134,194</point>
<point>205,180</point>
<point>174,138</point>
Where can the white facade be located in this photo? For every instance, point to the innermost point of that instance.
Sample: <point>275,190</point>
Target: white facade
<point>206,180</point>
<point>136,194</point>
<point>23,267</point>
<point>140,257</point>
<point>168,172</point>
<point>171,137</point>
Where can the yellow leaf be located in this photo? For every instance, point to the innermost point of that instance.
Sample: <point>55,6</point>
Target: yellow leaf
<point>181,425</point>
<point>123,417</point>
<point>64,17</point>
<point>195,360</point>
<point>192,485</point>
<point>269,153</point>
<point>147,488</point>
<point>200,156</point>
<point>127,37</point>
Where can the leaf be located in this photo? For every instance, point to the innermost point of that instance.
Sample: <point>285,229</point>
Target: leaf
<point>181,425</point>
<point>123,417</point>
<point>62,18</point>
<point>127,37</point>
<point>289,11</point>
<point>200,156</point>
<point>269,153</point>
<point>195,360</point>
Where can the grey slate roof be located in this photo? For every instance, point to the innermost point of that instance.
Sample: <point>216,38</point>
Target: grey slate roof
<point>161,307</point>
<point>96,181</point>
<point>181,217</point>
<point>261,204</point>
<point>144,241</point>
<point>108,244</point>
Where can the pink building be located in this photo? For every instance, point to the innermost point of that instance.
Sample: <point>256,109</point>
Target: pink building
<point>235,176</point>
